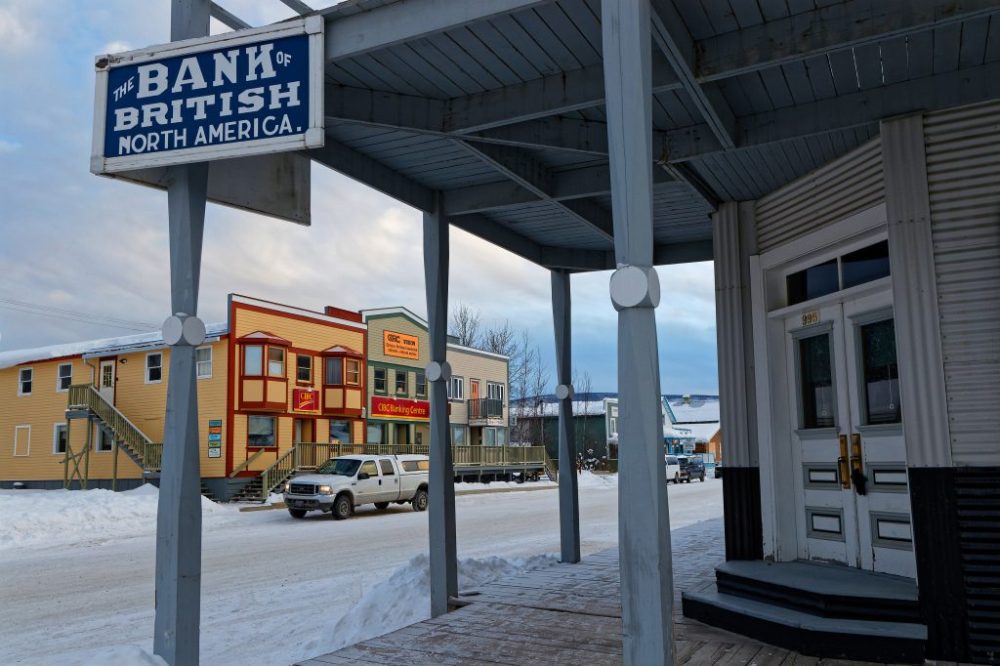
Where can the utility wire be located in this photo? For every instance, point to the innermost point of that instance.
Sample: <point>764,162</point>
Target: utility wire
<point>73,315</point>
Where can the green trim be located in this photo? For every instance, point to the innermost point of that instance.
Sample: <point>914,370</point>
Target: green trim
<point>375,389</point>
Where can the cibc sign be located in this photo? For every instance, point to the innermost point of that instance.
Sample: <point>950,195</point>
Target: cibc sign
<point>242,93</point>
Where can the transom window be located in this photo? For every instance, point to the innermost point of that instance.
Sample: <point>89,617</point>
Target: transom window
<point>849,270</point>
<point>64,376</point>
<point>154,368</point>
<point>24,381</point>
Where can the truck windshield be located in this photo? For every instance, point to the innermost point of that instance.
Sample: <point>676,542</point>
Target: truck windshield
<point>339,467</point>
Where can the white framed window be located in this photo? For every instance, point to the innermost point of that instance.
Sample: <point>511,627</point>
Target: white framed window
<point>22,440</point>
<point>456,388</point>
<point>154,368</point>
<point>59,438</point>
<point>103,439</point>
<point>495,391</point>
<point>275,362</point>
<point>253,359</point>
<point>24,380</point>
<point>203,362</point>
<point>64,377</point>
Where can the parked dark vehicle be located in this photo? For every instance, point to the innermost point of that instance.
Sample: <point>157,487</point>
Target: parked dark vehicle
<point>692,467</point>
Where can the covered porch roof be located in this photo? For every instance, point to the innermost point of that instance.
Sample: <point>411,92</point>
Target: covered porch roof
<point>498,106</point>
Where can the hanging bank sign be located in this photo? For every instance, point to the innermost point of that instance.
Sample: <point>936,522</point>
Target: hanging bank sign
<point>242,93</point>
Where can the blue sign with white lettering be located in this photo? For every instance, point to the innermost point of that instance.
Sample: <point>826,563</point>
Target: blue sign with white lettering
<point>223,96</point>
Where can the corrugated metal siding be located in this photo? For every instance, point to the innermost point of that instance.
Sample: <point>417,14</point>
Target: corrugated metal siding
<point>846,186</point>
<point>963,174</point>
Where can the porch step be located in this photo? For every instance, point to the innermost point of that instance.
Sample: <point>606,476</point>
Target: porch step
<point>814,635</point>
<point>251,492</point>
<point>823,590</point>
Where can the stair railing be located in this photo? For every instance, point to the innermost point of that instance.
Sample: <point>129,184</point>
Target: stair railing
<point>146,453</point>
<point>279,471</point>
<point>247,463</point>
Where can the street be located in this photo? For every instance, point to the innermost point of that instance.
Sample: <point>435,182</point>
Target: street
<point>273,587</point>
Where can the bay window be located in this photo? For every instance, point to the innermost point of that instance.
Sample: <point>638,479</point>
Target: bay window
<point>275,362</point>
<point>253,359</point>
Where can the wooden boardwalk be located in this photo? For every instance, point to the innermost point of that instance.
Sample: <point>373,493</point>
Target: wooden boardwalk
<point>562,614</point>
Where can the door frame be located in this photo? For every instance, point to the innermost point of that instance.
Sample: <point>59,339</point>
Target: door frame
<point>113,362</point>
<point>779,515</point>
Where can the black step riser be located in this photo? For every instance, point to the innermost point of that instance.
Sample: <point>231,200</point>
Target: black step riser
<point>850,608</point>
<point>809,642</point>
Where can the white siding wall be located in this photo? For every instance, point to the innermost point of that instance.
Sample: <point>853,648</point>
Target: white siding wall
<point>848,185</point>
<point>963,174</point>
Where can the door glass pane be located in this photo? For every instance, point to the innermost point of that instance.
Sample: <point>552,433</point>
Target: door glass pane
<point>867,264</point>
<point>816,382</point>
<point>878,354</point>
<point>813,282</point>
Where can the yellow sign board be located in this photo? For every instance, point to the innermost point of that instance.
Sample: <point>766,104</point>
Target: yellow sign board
<point>400,345</point>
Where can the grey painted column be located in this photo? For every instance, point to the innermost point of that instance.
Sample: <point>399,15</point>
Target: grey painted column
<point>178,518</point>
<point>569,502</point>
<point>443,557</point>
<point>643,518</point>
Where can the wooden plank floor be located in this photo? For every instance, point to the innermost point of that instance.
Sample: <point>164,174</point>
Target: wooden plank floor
<point>562,614</point>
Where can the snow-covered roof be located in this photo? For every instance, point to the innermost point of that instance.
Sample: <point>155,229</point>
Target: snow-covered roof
<point>105,346</point>
<point>694,409</point>
<point>702,432</point>
<point>580,407</point>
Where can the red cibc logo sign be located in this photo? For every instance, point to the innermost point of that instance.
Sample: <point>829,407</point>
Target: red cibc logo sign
<point>305,400</point>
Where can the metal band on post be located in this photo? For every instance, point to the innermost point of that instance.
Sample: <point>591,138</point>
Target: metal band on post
<point>635,287</point>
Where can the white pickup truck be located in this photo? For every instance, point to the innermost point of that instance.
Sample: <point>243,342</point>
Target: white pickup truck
<point>340,484</point>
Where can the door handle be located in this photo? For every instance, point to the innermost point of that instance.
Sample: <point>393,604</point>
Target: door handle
<point>844,471</point>
<point>857,466</point>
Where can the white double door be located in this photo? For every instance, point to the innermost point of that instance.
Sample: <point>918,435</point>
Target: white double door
<point>848,447</point>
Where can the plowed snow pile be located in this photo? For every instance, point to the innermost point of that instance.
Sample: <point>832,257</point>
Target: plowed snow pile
<point>35,518</point>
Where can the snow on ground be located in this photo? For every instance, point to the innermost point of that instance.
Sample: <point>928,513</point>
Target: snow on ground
<point>401,599</point>
<point>46,518</point>
<point>76,568</point>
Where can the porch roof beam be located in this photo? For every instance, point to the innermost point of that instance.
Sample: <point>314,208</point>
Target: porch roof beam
<point>299,7</point>
<point>832,28</point>
<point>677,45</point>
<point>349,35</point>
<point>227,18</point>
<point>538,179</point>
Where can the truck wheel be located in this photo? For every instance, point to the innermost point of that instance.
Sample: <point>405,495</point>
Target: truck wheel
<point>342,507</point>
<point>297,513</point>
<point>420,500</point>
<point>677,478</point>
<point>703,478</point>
<point>381,506</point>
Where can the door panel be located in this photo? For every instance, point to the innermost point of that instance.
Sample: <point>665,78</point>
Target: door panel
<point>367,490</point>
<point>847,436</point>
<point>106,380</point>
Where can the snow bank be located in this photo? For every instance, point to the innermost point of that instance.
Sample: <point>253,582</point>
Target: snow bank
<point>527,485</point>
<point>118,655</point>
<point>404,598</point>
<point>590,480</point>
<point>54,517</point>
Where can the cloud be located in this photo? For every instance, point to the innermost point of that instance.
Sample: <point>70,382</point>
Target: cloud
<point>76,241</point>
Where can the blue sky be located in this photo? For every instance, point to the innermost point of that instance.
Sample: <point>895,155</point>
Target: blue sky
<point>75,241</point>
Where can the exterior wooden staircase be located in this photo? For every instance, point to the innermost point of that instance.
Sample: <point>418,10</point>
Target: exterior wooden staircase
<point>85,401</point>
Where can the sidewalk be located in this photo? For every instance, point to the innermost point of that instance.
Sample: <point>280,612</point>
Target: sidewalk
<point>563,614</point>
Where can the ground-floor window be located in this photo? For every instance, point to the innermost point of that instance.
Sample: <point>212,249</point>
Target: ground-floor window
<point>377,433</point>
<point>59,438</point>
<point>458,435</point>
<point>262,431</point>
<point>105,442</point>
<point>340,431</point>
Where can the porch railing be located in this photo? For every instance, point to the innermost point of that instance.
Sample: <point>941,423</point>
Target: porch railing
<point>485,408</point>
<point>312,455</point>
<point>145,452</point>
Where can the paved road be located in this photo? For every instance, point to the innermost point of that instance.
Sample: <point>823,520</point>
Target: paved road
<point>273,586</point>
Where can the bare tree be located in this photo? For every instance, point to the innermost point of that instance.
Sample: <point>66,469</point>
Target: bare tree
<point>583,385</point>
<point>465,325</point>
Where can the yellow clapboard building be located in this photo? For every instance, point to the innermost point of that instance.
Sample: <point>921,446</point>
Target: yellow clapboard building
<point>280,388</point>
